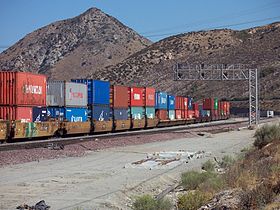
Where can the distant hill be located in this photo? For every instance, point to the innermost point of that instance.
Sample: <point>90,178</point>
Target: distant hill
<point>258,47</point>
<point>74,47</point>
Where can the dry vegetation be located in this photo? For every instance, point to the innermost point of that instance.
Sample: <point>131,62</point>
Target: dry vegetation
<point>251,181</point>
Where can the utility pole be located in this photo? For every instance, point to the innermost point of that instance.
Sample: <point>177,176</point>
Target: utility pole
<point>223,72</point>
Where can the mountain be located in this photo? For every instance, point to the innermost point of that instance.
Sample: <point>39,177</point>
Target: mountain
<point>74,47</point>
<point>153,66</point>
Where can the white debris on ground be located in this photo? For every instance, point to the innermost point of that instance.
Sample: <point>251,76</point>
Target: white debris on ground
<point>166,160</point>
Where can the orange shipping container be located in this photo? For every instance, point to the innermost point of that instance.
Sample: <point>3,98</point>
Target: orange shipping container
<point>179,102</point>
<point>22,88</point>
<point>178,114</point>
<point>161,114</point>
<point>190,114</point>
<point>119,96</point>
<point>24,114</point>
<point>185,103</point>
<point>149,96</point>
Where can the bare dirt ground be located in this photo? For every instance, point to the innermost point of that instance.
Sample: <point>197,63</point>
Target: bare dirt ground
<point>100,180</point>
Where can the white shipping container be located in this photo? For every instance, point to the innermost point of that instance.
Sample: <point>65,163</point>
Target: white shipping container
<point>70,94</point>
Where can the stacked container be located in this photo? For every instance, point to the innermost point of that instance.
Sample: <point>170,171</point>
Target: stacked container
<point>191,113</point>
<point>67,101</point>
<point>212,105</point>
<point>22,96</point>
<point>171,107</point>
<point>137,106</point>
<point>161,105</point>
<point>180,107</point>
<point>150,112</point>
<point>185,110</point>
<point>119,105</point>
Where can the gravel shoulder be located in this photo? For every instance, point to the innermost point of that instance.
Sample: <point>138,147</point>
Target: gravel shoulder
<point>99,180</point>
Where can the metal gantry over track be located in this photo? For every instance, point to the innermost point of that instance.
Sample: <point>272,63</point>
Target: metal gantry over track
<point>223,72</point>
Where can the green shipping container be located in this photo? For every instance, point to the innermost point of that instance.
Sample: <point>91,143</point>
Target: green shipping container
<point>150,112</point>
<point>216,104</point>
<point>137,113</point>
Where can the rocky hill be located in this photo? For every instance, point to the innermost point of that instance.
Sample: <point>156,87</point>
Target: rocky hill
<point>74,47</point>
<point>258,47</point>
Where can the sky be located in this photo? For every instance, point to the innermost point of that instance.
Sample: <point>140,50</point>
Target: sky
<point>154,19</point>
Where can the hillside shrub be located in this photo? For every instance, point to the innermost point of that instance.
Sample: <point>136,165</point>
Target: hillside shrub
<point>147,202</point>
<point>266,134</point>
<point>193,200</point>
<point>192,179</point>
<point>227,161</point>
<point>209,166</point>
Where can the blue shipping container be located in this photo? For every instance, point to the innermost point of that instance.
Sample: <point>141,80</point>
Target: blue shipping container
<point>190,101</point>
<point>161,100</point>
<point>100,113</point>
<point>120,114</point>
<point>56,112</point>
<point>137,112</point>
<point>171,102</point>
<point>69,114</point>
<point>39,114</point>
<point>98,91</point>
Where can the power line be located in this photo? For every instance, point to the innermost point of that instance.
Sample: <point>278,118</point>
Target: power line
<point>217,27</point>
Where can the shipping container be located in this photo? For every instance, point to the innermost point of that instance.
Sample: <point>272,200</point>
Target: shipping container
<point>208,103</point>
<point>100,112</point>
<point>190,102</point>
<point>161,114</point>
<point>22,88</point>
<point>136,96</point>
<point>39,114</point>
<point>179,102</point>
<point>120,114</point>
<point>191,114</point>
<point>98,91</point>
<point>119,96</point>
<point>178,114</point>
<point>66,94</point>
<point>171,114</point>
<point>216,103</point>
<point>185,103</point>
<point>195,107</point>
<point>23,114</point>
<point>161,100</point>
<point>137,113</point>
<point>185,114</point>
<point>150,94</point>
<point>150,112</point>
<point>71,114</point>
<point>171,102</point>
<point>76,114</point>
<point>56,112</point>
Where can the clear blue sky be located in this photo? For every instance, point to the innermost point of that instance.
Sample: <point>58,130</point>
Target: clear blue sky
<point>155,19</point>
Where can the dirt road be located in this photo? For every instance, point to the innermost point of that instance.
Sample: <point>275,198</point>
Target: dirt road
<point>100,180</point>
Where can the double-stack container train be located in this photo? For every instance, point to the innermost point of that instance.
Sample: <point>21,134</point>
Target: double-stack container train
<point>32,107</point>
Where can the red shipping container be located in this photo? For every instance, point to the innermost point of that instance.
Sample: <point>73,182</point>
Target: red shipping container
<point>185,104</point>
<point>179,102</point>
<point>136,96</point>
<point>178,114</point>
<point>208,104</point>
<point>150,96</point>
<point>119,96</point>
<point>190,114</point>
<point>195,106</point>
<point>196,113</point>
<point>228,108</point>
<point>161,114</point>
<point>185,114</point>
<point>24,114</point>
<point>22,88</point>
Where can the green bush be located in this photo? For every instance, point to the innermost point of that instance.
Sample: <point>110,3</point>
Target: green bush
<point>191,180</point>
<point>213,184</point>
<point>193,200</point>
<point>208,166</point>
<point>227,161</point>
<point>147,202</point>
<point>266,134</point>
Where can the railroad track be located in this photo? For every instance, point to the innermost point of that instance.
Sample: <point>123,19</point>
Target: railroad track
<point>217,126</point>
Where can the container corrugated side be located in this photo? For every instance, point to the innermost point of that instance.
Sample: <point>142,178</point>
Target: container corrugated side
<point>178,114</point>
<point>89,83</point>
<point>56,112</point>
<point>120,114</point>
<point>74,114</point>
<point>161,114</point>
<point>190,101</point>
<point>119,96</point>
<point>185,103</point>
<point>66,94</point>
<point>171,114</point>
<point>22,88</point>
<point>137,113</point>
<point>170,102</point>
<point>100,112</point>
<point>101,92</point>
<point>24,114</point>
<point>137,96</point>
<point>150,112</point>
<point>179,102</point>
<point>150,94</point>
<point>161,100</point>
<point>208,103</point>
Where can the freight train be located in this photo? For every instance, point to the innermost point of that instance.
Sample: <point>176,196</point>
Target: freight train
<point>32,107</point>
